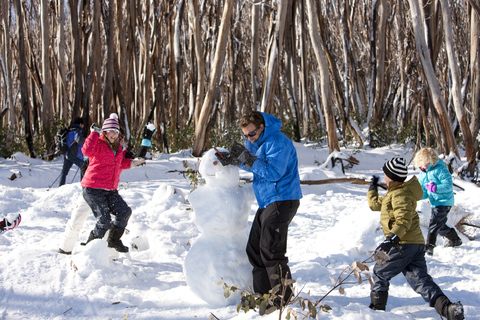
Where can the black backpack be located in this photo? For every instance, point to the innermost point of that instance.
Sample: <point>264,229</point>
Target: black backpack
<point>61,146</point>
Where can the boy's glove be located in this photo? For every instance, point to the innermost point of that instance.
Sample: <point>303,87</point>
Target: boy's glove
<point>148,133</point>
<point>7,225</point>
<point>226,158</point>
<point>137,163</point>
<point>374,184</point>
<point>431,187</point>
<point>240,153</point>
<point>94,128</point>
<point>392,240</point>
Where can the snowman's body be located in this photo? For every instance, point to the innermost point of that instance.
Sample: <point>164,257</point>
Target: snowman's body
<point>221,210</point>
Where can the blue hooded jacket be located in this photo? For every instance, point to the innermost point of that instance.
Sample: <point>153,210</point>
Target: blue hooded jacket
<point>275,171</point>
<point>442,178</point>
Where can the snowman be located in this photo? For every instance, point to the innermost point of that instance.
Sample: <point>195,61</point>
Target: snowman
<point>221,209</point>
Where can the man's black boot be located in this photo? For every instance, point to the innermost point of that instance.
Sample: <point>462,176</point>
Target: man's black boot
<point>378,300</point>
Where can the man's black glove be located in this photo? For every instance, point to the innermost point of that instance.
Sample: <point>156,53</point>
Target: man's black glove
<point>239,152</point>
<point>226,158</point>
<point>374,184</point>
<point>392,240</point>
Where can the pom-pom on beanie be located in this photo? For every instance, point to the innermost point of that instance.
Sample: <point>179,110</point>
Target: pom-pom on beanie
<point>111,123</point>
<point>396,169</point>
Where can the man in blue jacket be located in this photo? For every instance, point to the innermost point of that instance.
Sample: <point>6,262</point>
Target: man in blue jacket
<point>271,157</point>
<point>74,153</point>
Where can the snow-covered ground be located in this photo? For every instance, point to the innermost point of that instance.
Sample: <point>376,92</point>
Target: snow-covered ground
<point>333,228</point>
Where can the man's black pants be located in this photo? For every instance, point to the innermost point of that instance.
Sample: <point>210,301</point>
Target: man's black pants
<point>267,245</point>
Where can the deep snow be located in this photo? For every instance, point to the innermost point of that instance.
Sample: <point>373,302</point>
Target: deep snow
<point>333,228</point>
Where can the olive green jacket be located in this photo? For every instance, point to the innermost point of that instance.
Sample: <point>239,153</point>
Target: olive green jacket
<point>398,214</point>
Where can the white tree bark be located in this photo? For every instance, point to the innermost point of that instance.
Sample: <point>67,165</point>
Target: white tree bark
<point>8,74</point>
<point>215,72</point>
<point>456,83</point>
<point>319,49</point>
<point>418,21</point>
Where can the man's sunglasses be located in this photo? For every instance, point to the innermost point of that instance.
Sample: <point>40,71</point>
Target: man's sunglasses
<point>251,134</point>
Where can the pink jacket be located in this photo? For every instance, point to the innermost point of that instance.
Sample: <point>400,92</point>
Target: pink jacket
<point>104,169</point>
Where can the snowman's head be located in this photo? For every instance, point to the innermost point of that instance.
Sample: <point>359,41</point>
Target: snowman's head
<point>214,173</point>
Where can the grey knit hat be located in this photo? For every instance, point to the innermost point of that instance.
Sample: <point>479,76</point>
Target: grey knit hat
<point>396,169</point>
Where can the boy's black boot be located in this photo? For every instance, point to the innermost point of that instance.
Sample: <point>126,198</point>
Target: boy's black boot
<point>449,310</point>
<point>114,241</point>
<point>452,239</point>
<point>378,300</point>
<point>431,242</point>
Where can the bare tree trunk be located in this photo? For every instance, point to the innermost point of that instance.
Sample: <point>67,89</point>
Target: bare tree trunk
<point>436,94</point>
<point>62,91</point>
<point>108,91</point>
<point>475,73</point>
<point>203,124</point>
<point>199,59</point>
<point>305,99</point>
<point>77,57</point>
<point>319,49</point>
<point>22,60</point>
<point>47,111</point>
<point>178,60</point>
<point>275,46</point>
<point>12,123</point>
<point>455,90</point>
<point>254,54</point>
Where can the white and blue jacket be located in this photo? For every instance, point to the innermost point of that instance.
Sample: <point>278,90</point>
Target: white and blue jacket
<point>442,178</point>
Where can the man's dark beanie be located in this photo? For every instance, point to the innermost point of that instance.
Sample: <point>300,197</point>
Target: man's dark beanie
<point>396,169</point>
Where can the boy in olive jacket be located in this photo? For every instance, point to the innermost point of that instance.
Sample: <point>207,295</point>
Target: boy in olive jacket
<point>404,242</point>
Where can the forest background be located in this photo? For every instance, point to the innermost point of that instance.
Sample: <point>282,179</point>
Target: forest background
<point>349,72</point>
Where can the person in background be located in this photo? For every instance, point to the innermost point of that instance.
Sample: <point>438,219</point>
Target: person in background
<point>74,155</point>
<point>148,133</point>
<point>10,222</point>
<point>404,243</point>
<point>271,156</point>
<point>437,185</point>
<point>106,152</point>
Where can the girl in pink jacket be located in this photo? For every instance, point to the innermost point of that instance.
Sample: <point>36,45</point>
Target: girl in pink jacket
<point>106,154</point>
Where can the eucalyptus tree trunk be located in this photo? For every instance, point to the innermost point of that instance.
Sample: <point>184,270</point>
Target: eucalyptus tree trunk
<point>108,89</point>
<point>93,69</point>
<point>178,59</point>
<point>291,67</point>
<point>438,101</point>
<point>319,50</point>
<point>62,88</point>
<point>380,45</point>
<point>201,127</point>
<point>275,46</point>
<point>12,123</point>
<point>199,57</point>
<point>47,110</point>
<point>475,73</point>
<point>254,54</point>
<point>305,98</point>
<point>22,61</point>
<point>77,58</point>
<point>455,89</point>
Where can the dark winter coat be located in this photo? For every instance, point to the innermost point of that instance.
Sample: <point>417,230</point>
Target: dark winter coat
<point>398,210</point>
<point>442,178</point>
<point>105,165</point>
<point>75,142</point>
<point>275,171</point>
